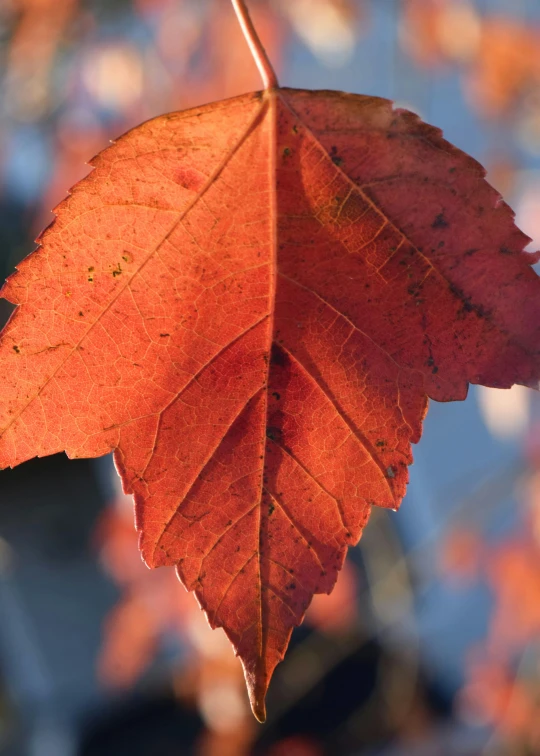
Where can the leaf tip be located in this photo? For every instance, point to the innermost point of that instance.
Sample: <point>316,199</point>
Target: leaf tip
<point>257,685</point>
<point>258,707</point>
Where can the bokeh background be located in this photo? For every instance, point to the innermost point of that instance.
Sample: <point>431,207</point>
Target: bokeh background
<point>430,644</point>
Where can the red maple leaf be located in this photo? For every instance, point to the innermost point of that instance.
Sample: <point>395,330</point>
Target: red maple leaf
<point>250,303</point>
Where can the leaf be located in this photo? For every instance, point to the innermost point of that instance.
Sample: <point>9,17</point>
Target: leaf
<point>460,555</point>
<point>495,695</point>
<point>250,303</point>
<point>507,67</point>
<point>150,605</point>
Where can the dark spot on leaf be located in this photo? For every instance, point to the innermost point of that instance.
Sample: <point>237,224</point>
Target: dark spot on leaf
<point>276,396</point>
<point>273,433</point>
<point>334,156</point>
<point>16,349</point>
<point>505,251</point>
<point>440,222</point>
<point>278,356</point>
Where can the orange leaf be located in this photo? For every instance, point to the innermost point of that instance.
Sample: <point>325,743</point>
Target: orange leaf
<point>516,619</point>
<point>130,643</point>
<point>461,554</point>
<point>250,303</point>
<point>494,696</point>
<point>507,66</point>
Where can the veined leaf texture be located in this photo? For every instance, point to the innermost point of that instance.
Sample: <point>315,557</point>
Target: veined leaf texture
<point>250,303</point>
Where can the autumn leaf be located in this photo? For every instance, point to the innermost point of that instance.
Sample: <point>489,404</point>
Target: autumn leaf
<point>461,554</point>
<point>493,696</point>
<point>147,608</point>
<point>507,66</point>
<point>250,303</point>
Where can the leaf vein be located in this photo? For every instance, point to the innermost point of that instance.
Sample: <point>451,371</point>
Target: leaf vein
<point>234,149</point>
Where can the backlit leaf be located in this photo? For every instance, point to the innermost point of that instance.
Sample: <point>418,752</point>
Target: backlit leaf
<point>250,303</point>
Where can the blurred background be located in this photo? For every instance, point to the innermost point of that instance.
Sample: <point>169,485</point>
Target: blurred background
<point>430,644</point>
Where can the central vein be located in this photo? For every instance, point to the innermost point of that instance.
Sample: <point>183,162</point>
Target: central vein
<point>272,210</point>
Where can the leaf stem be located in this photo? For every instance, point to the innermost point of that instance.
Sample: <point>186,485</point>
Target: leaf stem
<point>255,45</point>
